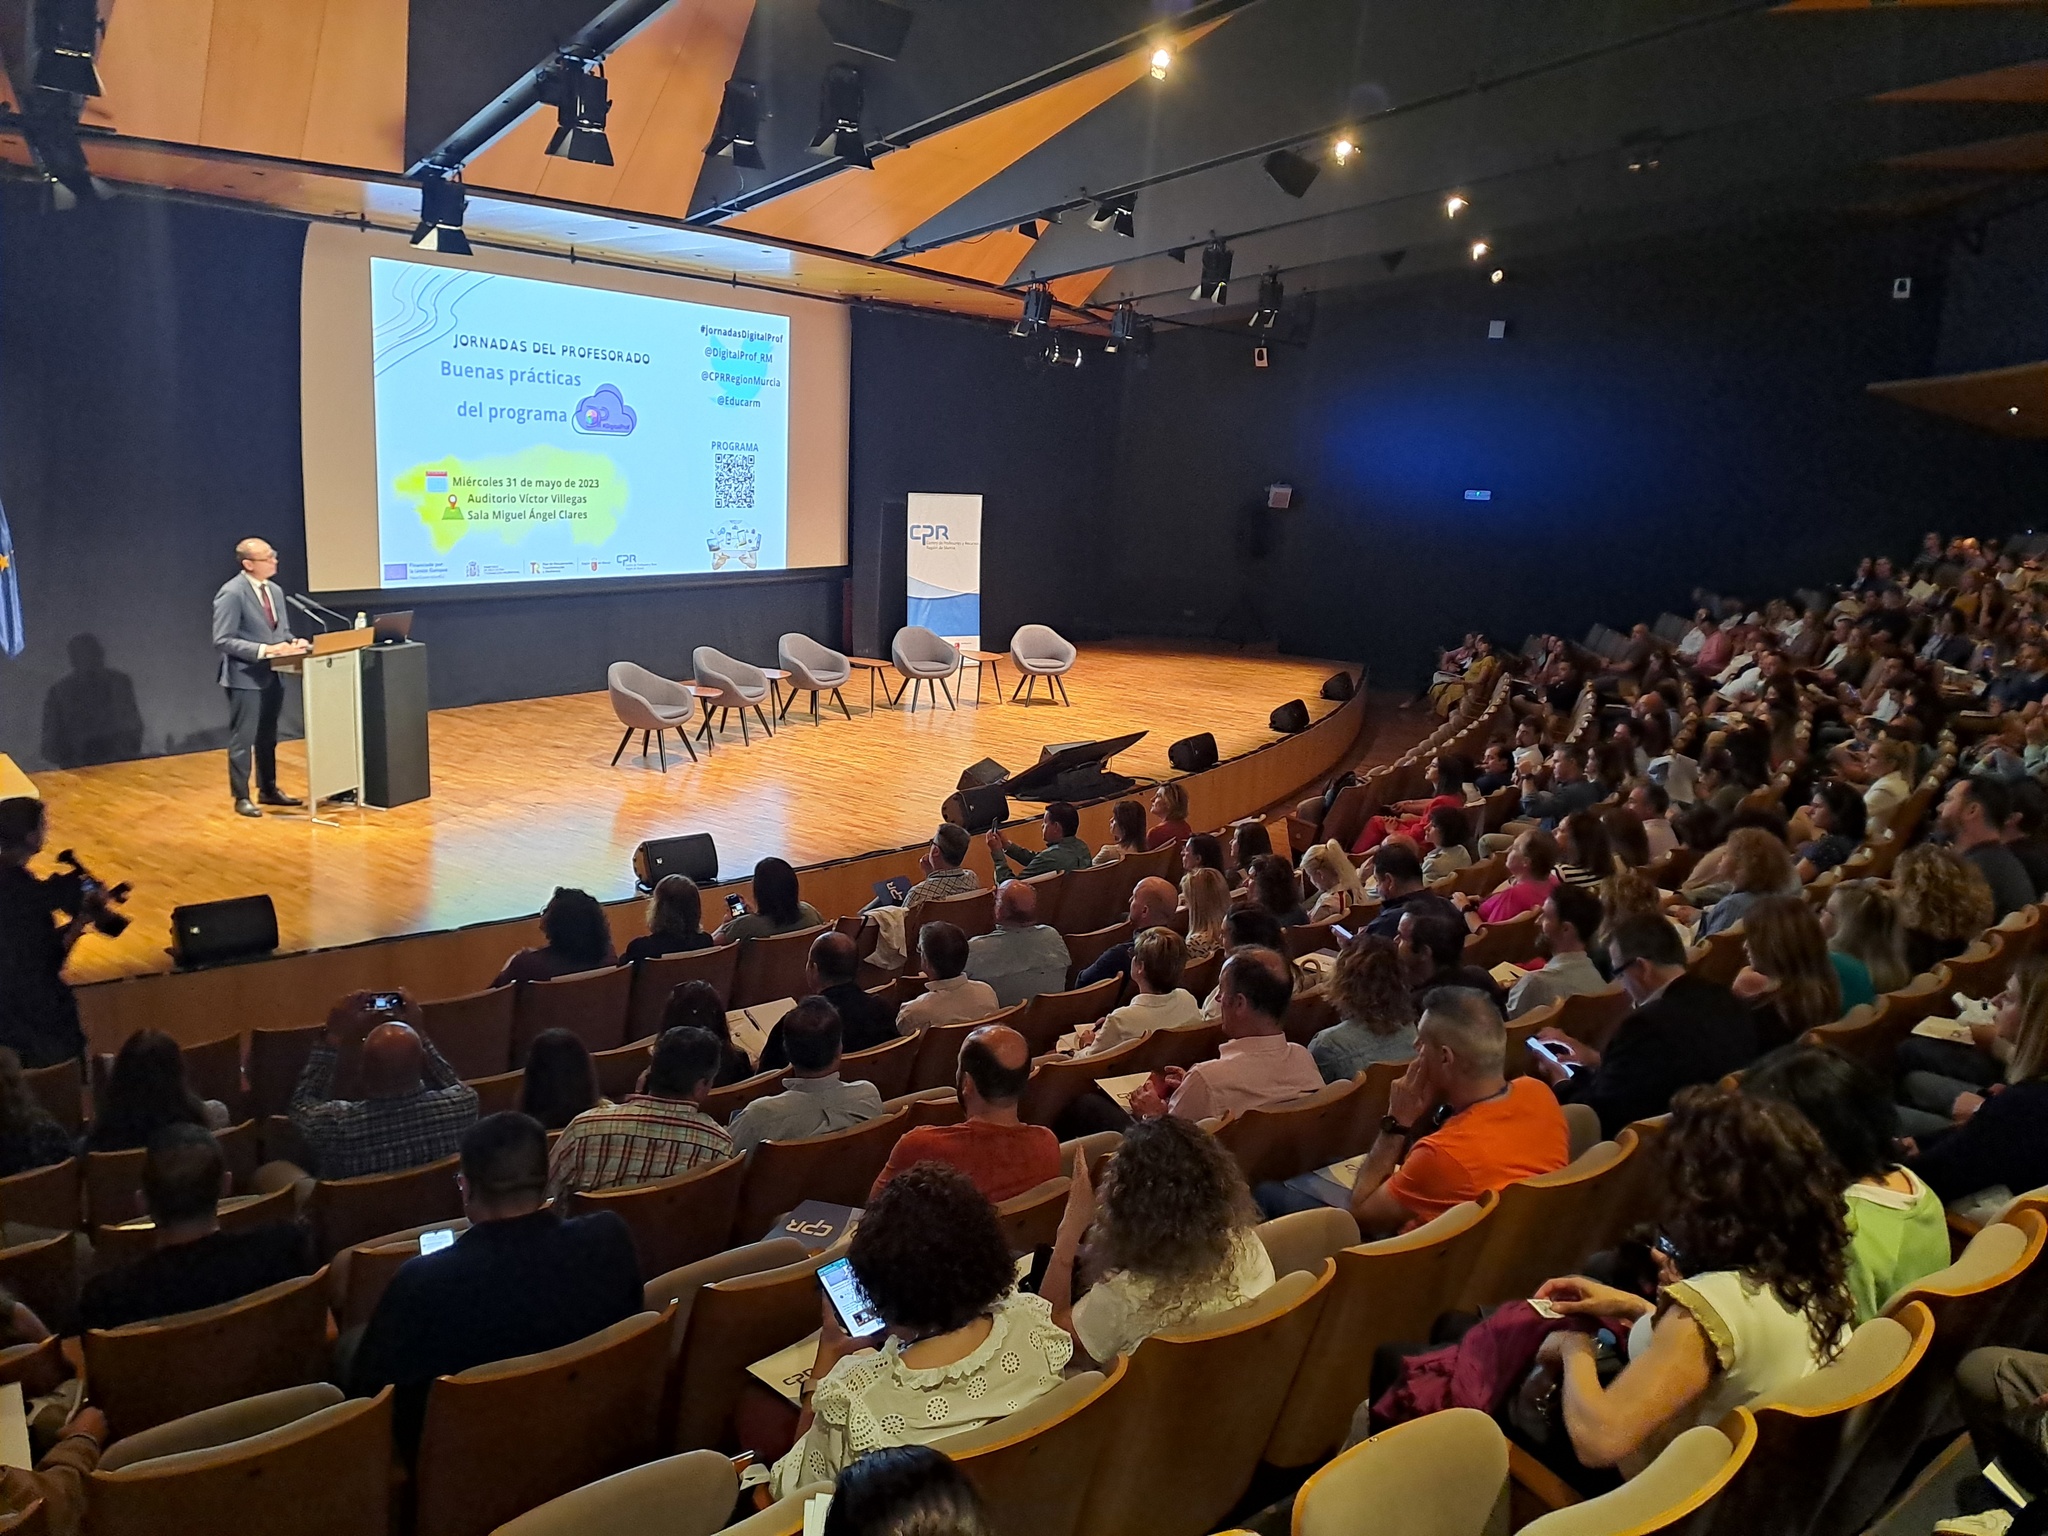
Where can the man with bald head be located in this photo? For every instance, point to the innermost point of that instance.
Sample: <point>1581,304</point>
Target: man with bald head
<point>413,1108</point>
<point>1258,1065</point>
<point>865,1021</point>
<point>1153,903</point>
<point>992,1146</point>
<point>1022,957</point>
<point>249,630</point>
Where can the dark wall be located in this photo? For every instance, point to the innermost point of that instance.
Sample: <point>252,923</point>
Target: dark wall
<point>1669,415</point>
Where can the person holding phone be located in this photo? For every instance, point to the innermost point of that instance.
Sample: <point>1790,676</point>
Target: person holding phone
<point>414,1109</point>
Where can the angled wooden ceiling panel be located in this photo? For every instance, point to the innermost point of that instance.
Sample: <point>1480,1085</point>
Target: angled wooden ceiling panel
<point>2016,154</point>
<point>2015,82</point>
<point>2012,402</point>
<point>1076,287</point>
<point>989,258</point>
<point>357,112</point>
<point>152,67</point>
<point>666,84</point>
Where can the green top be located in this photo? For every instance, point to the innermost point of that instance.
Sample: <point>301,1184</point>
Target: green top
<point>1894,1240</point>
<point>1854,976</point>
<point>1067,853</point>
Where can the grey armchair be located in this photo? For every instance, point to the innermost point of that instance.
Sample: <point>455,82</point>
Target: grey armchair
<point>648,703</point>
<point>1041,651</point>
<point>812,669</point>
<point>732,684</point>
<point>925,661</point>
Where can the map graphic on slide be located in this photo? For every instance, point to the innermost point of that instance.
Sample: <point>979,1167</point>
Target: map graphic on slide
<point>538,431</point>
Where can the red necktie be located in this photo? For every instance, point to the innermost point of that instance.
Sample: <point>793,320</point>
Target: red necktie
<point>269,612</point>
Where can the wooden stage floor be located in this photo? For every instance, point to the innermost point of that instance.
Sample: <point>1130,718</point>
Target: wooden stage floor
<point>525,800</point>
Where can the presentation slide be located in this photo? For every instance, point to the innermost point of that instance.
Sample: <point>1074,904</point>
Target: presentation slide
<point>540,431</point>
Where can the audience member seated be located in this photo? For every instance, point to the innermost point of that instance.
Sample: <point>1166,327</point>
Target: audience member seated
<point>1448,775</point>
<point>1943,903</point>
<point>1375,1010</point>
<point>1626,840</point>
<point>146,1091</point>
<point>1941,1082</point>
<point>779,906</point>
<point>1891,763</point>
<point>1532,876</point>
<point>1974,813</point>
<point>1153,903</point>
<point>1063,848</point>
<point>1570,790</point>
<point>1683,1031</point>
<point>944,872</point>
<point>865,1021</point>
<point>1448,831</point>
<point>1757,1299</point>
<point>1204,851</point>
<point>1792,980</point>
<point>1997,1136</point>
<point>696,1005</point>
<point>195,1264</point>
<point>905,1489</point>
<point>1838,819</point>
<point>815,1101</point>
<point>995,1149</point>
<point>1584,856</point>
<point>1170,1240</point>
<point>656,1133</point>
<point>961,1345</point>
<point>560,1080</point>
<point>578,939</point>
<point>1432,949</point>
<point>520,1280</point>
<point>1126,832</point>
<point>1161,1003</point>
<point>1862,924</point>
<point>1272,884</point>
<point>413,1111</point>
<point>1759,865</point>
<point>1245,927</point>
<point>1170,805</point>
<point>1248,839</point>
<point>1258,1065</point>
<point>1335,879</point>
<point>1570,919</point>
<point>1650,804</point>
<point>675,921</point>
<point>1898,1232</point>
<point>29,1136</point>
<point>1399,874</point>
<point>1206,896</point>
<point>1021,957</point>
<point>950,995</point>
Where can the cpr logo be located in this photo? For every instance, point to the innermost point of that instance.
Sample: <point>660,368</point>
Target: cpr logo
<point>929,533</point>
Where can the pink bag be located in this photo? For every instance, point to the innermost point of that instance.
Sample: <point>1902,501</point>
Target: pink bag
<point>1478,1371</point>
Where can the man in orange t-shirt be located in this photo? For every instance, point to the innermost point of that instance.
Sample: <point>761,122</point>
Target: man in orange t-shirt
<point>1456,1126</point>
<point>992,1146</point>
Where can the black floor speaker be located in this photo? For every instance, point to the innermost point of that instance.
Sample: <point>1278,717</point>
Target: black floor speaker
<point>694,855</point>
<point>1290,717</point>
<point>208,932</point>
<point>987,771</point>
<point>1193,753</point>
<point>977,807</point>
<point>1337,687</point>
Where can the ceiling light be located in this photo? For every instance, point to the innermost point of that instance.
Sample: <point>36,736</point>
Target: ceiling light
<point>1291,173</point>
<point>1128,330</point>
<point>65,34</point>
<point>841,99</point>
<point>1214,283</point>
<point>1479,249</point>
<point>737,134</point>
<point>1496,275</point>
<point>1057,351</point>
<point>1454,205</point>
<point>581,104</point>
<point>1037,311</point>
<point>2012,410</point>
<point>1162,61</point>
<point>442,205</point>
<point>1271,294</point>
<point>1117,216</point>
<point>1343,149</point>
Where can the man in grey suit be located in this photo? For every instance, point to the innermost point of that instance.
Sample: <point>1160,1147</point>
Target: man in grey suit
<point>249,629</point>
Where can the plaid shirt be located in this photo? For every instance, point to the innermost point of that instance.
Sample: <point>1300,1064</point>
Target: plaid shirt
<point>352,1137</point>
<point>641,1141</point>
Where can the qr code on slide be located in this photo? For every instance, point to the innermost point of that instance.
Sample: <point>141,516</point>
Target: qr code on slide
<point>734,482</point>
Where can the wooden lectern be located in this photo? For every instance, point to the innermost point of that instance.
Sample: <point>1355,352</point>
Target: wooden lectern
<point>332,676</point>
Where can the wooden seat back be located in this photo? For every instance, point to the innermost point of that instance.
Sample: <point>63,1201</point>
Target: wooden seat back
<point>591,1005</point>
<point>618,1071</point>
<point>1051,891</point>
<point>1720,956</point>
<point>675,1221</point>
<point>1591,1018</point>
<point>838,1167</point>
<point>1979,971</point>
<point>676,1496</point>
<point>1546,1226</point>
<point>1308,1015</point>
<point>1198,977</point>
<point>357,1277</point>
<point>1310,938</point>
<point>51,1197</point>
<point>1085,948</point>
<point>1032,1468</point>
<point>43,1274</point>
<point>721,1104</point>
<point>1513,941</point>
<point>60,1089</point>
<point>938,1048</point>
<point>113,1180</point>
<point>888,1066</point>
<point>1282,1140</point>
<point>473,1032</point>
<point>1049,1015</point>
<point>1031,1220</point>
<point>654,980</point>
<point>1057,1081</point>
<point>132,1240</point>
<point>278,1056</point>
<point>772,968</point>
<point>345,1212</point>
<point>972,912</point>
<point>1446,1471</point>
<point>1094,898</point>
<point>734,1323</point>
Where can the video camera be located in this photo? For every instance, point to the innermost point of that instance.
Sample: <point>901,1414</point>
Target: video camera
<point>78,894</point>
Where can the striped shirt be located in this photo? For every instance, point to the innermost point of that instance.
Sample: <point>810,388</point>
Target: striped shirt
<point>640,1141</point>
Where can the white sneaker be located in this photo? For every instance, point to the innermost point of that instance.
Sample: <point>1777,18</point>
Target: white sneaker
<point>1992,1522</point>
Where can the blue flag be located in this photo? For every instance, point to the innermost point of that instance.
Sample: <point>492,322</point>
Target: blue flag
<point>11,638</point>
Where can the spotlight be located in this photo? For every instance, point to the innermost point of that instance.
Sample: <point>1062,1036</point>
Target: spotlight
<point>737,133</point>
<point>1031,229</point>
<point>1117,215</point>
<point>1162,61</point>
<point>2012,410</point>
<point>1291,173</point>
<point>581,105</point>
<point>50,125</point>
<point>65,34</point>
<point>1037,311</point>
<point>840,102</point>
<point>1214,283</point>
<point>1059,352</point>
<point>1270,296</point>
<point>1343,149</point>
<point>1496,275</point>
<point>1454,205</point>
<point>1479,249</point>
<point>442,205</point>
<point>1128,330</point>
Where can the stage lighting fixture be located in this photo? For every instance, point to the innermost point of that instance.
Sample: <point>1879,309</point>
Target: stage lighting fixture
<point>873,27</point>
<point>1270,296</point>
<point>1129,331</point>
<point>1067,354</point>
<point>50,125</point>
<point>1479,249</point>
<point>1496,275</point>
<point>1290,172</point>
<point>581,104</point>
<point>1454,205</point>
<point>442,205</point>
<point>841,101</point>
<point>1214,283</point>
<point>1031,229</point>
<point>1162,61</point>
<point>738,131</point>
<point>1037,311</point>
<point>1117,215</point>
<point>66,32</point>
<point>1343,148</point>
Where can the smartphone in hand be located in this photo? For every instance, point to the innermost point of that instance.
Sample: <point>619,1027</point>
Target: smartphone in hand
<point>850,1304</point>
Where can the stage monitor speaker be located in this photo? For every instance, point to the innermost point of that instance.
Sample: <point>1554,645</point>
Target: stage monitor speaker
<point>694,855</point>
<point>1194,753</point>
<point>1290,717</point>
<point>1337,687</point>
<point>977,807</point>
<point>987,771</point>
<point>208,932</point>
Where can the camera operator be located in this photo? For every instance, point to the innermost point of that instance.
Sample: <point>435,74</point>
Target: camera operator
<point>38,1015</point>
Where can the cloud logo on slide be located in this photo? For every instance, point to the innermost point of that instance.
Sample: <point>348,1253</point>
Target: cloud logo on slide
<point>604,413</point>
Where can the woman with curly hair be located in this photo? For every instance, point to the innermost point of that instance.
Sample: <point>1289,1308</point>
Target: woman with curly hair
<point>959,1346</point>
<point>1943,902</point>
<point>1375,1011</point>
<point>1791,982</point>
<point>1755,1291</point>
<point>1759,865</point>
<point>578,939</point>
<point>1170,1238</point>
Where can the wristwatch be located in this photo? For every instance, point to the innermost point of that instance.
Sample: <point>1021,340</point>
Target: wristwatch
<point>1389,1126</point>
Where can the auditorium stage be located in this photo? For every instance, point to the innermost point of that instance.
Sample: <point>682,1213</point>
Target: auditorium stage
<point>525,799</point>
